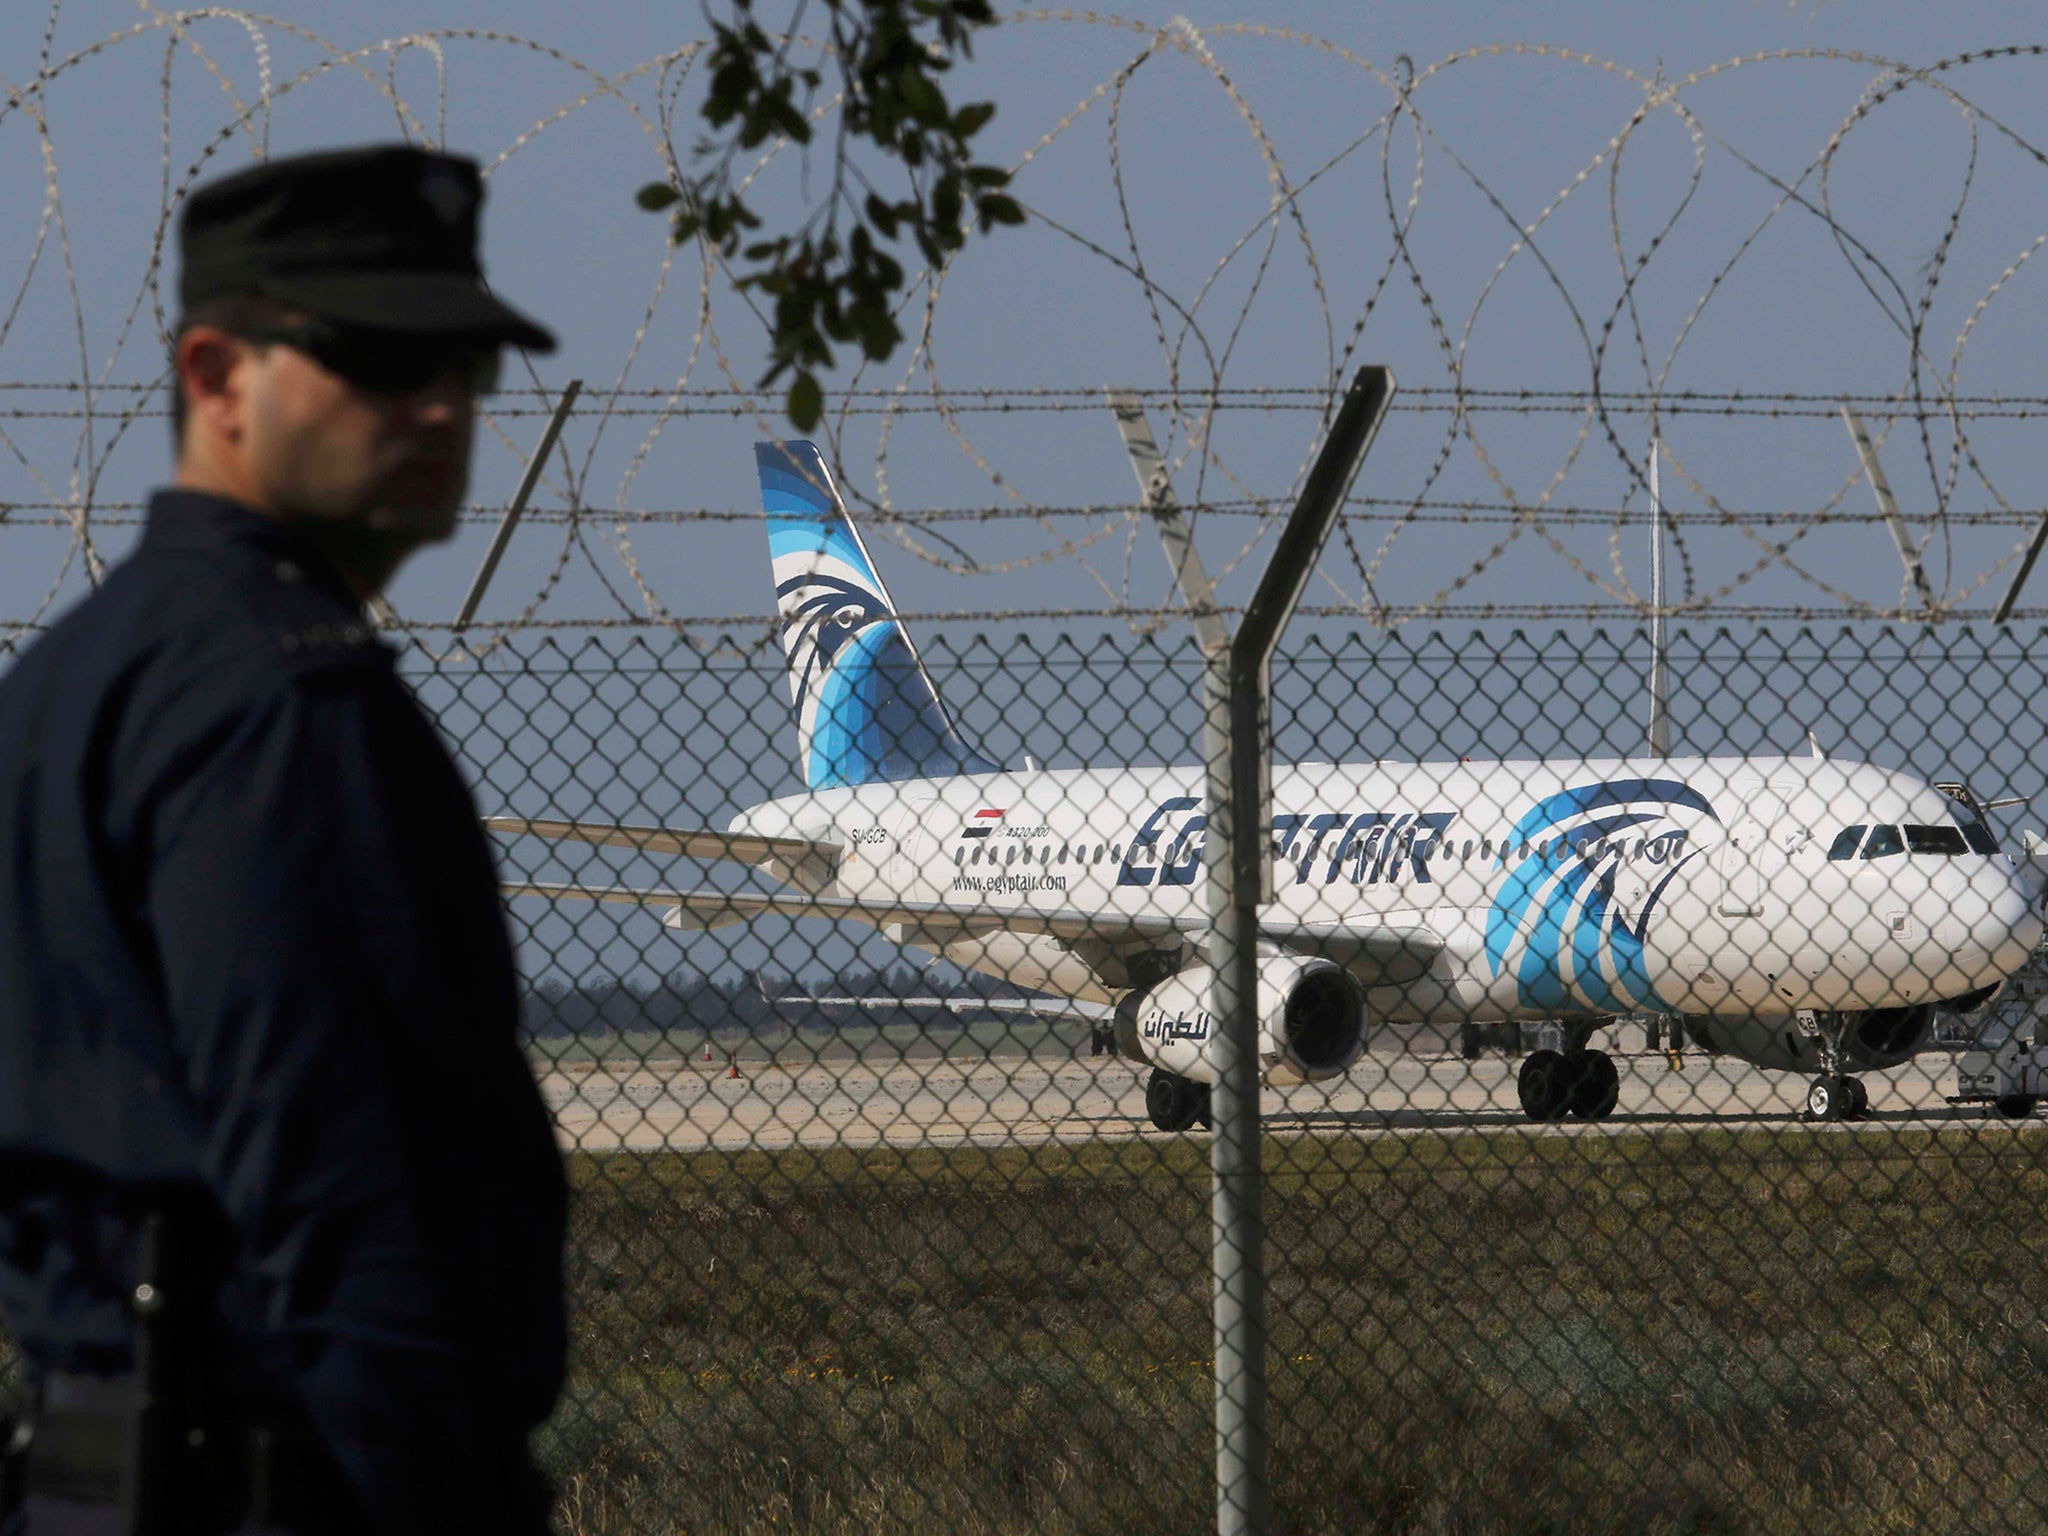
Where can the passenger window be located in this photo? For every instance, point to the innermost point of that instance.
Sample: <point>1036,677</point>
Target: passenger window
<point>959,857</point>
<point>1945,841</point>
<point>1844,845</point>
<point>1486,847</point>
<point>1468,849</point>
<point>1884,841</point>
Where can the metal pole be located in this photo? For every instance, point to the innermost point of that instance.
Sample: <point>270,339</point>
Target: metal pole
<point>1150,467</point>
<point>1660,674</point>
<point>2011,599</point>
<point>1240,873</point>
<point>510,520</point>
<point>1237,858</point>
<point>1882,489</point>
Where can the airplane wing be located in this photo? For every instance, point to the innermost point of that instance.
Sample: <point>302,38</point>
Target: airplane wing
<point>1383,955</point>
<point>1042,1007</point>
<point>923,922</point>
<point>743,847</point>
<point>1387,955</point>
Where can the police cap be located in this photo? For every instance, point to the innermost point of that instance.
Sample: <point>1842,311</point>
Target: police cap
<point>382,237</point>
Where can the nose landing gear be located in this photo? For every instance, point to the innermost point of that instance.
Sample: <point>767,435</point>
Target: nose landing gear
<point>1837,1098</point>
<point>1833,1095</point>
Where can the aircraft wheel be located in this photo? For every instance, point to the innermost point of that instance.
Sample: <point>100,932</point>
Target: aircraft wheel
<point>1859,1098</point>
<point>1598,1087</point>
<point>2016,1106</point>
<point>1544,1084</point>
<point>1171,1100</point>
<point>1827,1098</point>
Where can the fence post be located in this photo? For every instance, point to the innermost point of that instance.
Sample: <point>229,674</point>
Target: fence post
<point>1237,859</point>
<point>510,520</point>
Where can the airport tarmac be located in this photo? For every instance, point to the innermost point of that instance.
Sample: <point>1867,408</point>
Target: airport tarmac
<point>1016,1100</point>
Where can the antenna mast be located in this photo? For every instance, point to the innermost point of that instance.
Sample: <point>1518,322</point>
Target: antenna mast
<point>1660,673</point>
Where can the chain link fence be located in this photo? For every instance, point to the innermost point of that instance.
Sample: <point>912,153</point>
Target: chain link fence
<point>1615,1174</point>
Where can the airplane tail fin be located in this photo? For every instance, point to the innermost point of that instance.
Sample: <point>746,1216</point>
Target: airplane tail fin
<point>867,712</point>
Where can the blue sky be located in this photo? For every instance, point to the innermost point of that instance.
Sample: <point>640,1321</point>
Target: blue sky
<point>1744,292</point>
<point>1737,297</point>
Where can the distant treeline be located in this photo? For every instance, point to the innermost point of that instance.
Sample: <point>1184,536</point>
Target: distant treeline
<point>691,1003</point>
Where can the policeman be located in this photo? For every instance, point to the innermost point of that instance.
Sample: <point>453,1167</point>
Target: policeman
<point>280,1210</point>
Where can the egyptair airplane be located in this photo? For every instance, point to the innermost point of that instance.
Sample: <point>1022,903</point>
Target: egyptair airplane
<point>1804,914</point>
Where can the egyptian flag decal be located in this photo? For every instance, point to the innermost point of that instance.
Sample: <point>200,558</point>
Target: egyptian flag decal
<point>981,823</point>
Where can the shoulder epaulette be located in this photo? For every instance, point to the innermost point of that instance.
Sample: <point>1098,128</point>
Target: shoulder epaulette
<point>314,641</point>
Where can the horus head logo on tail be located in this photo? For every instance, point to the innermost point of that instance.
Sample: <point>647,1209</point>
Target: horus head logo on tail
<point>866,710</point>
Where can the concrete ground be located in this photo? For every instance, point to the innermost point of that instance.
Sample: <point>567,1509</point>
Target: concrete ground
<point>910,1100</point>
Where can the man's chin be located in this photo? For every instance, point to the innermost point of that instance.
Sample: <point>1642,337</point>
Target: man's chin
<point>413,525</point>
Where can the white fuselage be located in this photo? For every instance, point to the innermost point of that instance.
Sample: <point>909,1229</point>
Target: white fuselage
<point>1558,888</point>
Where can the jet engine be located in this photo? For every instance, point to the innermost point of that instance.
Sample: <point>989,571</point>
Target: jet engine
<point>1311,1018</point>
<point>1872,1039</point>
<point>1884,1037</point>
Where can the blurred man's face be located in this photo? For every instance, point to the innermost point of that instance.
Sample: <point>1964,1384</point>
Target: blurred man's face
<point>393,466</point>
<point>363,440</point>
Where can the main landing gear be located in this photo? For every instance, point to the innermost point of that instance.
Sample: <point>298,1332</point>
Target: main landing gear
<point>1581,1083</point>
<point>1833,1095</point>
<point>1175,1102</point>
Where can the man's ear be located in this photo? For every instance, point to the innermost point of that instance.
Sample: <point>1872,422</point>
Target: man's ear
<point>208,360</point>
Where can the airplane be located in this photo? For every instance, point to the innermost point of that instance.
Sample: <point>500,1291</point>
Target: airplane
<point>1804,914</point>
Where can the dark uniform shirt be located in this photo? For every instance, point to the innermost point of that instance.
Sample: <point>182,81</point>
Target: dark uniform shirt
<point>251,943</point>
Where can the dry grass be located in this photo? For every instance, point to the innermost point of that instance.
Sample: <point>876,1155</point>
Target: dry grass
<point>1691,1332</point>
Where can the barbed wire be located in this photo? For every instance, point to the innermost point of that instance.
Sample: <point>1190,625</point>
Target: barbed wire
<point>1564,512</point>
<point>133,514</point>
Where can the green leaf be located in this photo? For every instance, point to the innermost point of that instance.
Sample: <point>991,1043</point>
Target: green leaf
<point>657,195</point>
<point>883,215</point>
<point>997,208</point>
<point>969,120</point>
<point>946,204</point>
<point>922,99</point>
<point>806,402</point>
<point>986,176</point>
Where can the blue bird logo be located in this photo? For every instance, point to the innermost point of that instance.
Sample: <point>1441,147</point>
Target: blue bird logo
<point>1577,949</point>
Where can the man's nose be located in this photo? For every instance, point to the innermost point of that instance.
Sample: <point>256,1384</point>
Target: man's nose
<point>445,402</point>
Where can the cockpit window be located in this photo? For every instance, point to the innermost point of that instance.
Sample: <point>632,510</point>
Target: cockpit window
<point>1975,833</point>
<point>1943,840</point>
<point>1844,845</point>
<point>1884,841</point>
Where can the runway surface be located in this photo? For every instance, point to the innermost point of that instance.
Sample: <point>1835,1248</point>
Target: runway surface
<point>1015,1100</point>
